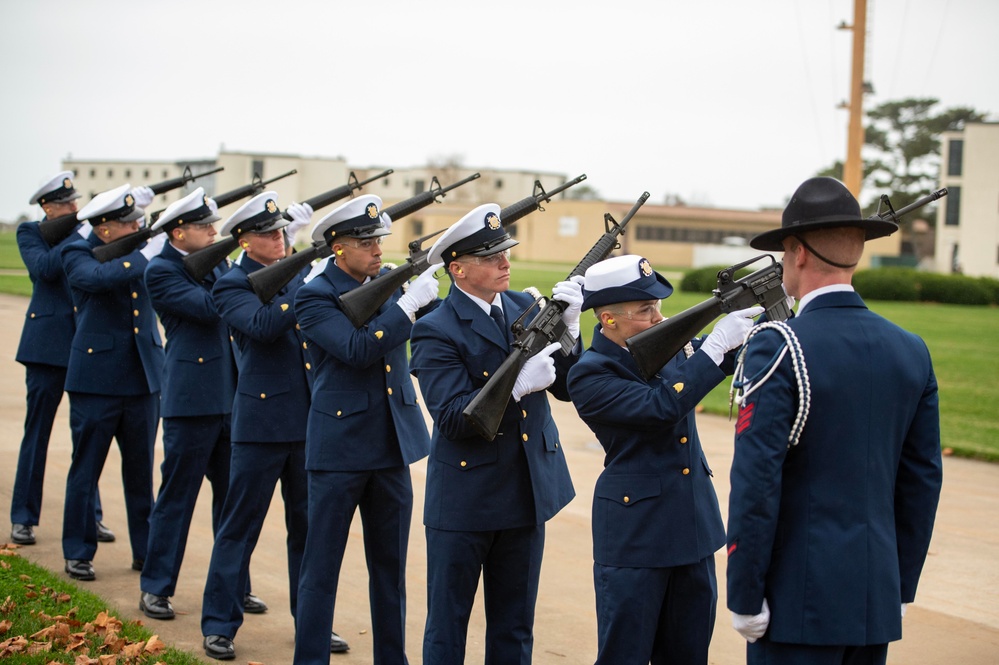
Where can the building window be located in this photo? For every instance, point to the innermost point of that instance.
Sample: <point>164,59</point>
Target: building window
<point>166,174</point>
<point>258,168</point>
<point>955,155</point>
<point>128,173</point>
<point>93,173</point>
<point>418,186</point>
<point>145,174</point>
<point>499,183</point>
<point>385,183</point>
<point>417,226</point>
<point>953,202</point>
<point>110,173</point>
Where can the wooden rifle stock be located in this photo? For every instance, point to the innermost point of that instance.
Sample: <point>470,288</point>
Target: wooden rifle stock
<point>485,411</point>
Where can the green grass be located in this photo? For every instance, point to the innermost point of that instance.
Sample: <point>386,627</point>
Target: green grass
<point>33,599</point>
<point>961,340</point>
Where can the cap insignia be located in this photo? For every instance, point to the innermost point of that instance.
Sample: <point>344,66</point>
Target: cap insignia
<point>67,183</point>
<point>645,267</point>
<point>129,201</point>
<point>271,206</point>
<point>493,221</point>
<point>372,210</point>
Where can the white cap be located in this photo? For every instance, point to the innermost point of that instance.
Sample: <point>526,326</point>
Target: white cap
<point>192,209</point>
<point>258,215</point>
<point>57,188</point>
<point>479,233</point>
<point>114,205</point>
<point>357,218</point>
<point>623,279</point>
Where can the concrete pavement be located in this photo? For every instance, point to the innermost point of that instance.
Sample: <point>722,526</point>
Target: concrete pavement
<point>955,618</point>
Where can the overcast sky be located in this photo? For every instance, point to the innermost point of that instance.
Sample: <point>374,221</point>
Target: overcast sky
<point>729,103</point>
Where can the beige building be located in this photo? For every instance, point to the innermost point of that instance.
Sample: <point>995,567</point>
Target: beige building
<point>967,235</point>
<point>670,236</point>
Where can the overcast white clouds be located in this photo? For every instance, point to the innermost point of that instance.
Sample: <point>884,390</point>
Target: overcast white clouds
<point>728,103</point>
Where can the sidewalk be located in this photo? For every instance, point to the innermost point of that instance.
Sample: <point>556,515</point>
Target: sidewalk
<point>955,618</point>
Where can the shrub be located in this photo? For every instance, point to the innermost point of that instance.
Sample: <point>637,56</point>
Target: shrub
<point>953,289</point>
<point>705,280</point>
<point>991,285</point>
<point>887,284</point>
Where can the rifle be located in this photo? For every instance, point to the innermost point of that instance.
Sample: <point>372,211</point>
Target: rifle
<point>654,347</point>
<point>268,281</point>
<point>527,205</point>
<point>222,200</point>
<point>200,263</point>
<point>56,230</point>
<point>128,244</point>
<point>485,411</point>
<point>360,304</point>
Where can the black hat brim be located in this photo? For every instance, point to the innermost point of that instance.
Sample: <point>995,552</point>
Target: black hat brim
<point>772,241</point>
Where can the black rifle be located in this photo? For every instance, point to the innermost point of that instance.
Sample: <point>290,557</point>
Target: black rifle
<point>56,230</point>
<point>128,244</point>
<point>654,347</point>
<point>485,411</point>
<point>268,281</point>
<point>200,263</point>
<point>529,204</point>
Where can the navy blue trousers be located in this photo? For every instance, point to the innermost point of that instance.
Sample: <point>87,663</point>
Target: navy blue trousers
<point>385,497</point>
<point>510,564</point>
<point>193,448</point>
<point>765,652</point>
<point>45,387</point>
<point>253,474</point>
<point>655,615</point>
<point>94,421</point>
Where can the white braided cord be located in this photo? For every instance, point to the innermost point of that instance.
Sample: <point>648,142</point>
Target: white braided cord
<point>739,391</point>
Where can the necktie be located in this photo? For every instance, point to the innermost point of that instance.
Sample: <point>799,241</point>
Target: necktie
<point>497,313</point>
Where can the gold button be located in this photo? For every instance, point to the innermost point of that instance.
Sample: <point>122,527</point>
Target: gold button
<point>32,315</point>
<point>305,345</point>
<point>686,471</point>
<point>90,350</point>
<point>627,499</point>
<point>683,439</point>
<point>379,334</point>
<point>524,437</point>
<point>388,368</point>
<point>201,360</point>
<point>135,312</point>
<point>308,365</point>
<point>464,463</point>
<point>231,339</point>
<point>485,374</point>
<point>136,330</point>
<point>127,264</point>
<point>75,309</point>
<point>298,327</point>
<point>339,412</point>
<point>389,391</point>
<point>284,307</point>
<point>263,395</point>
<point>556,446</point>
<point>134,295</point>
<point>523,413</point>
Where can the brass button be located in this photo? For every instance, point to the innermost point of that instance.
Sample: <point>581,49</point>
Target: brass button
<point>627,499</point>
<point>683,439</point>
<point>263,395</point>
<point>389,391</point>
<point>388,368</point>
<point>464,463</point>
<point>305,345</point>
<point>485,374</point>
<point>134,295</point>
<point>127,264</point>
<point>231,339</point>
<point>556,446</point>
<point>298,327</point>
<point>524,437</point>
<point>523,413</point>
<point>90,350</point>
<point>32,315</point>
<point>201,360</point>
<point>135,312</point>
<point>308,365</point>
<point>686,471</point>
<point>75,309</point>
<point>339,413</point>
<point>136,330</point>
<point>284,307</point>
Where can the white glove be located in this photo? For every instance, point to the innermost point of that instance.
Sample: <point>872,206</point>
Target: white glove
<point>752,626</point>
<point>730,333</point>
<point>301,215</point>
<point>571,293</point>
<point>904,607</point>
<point>143,196</point>
<point>214,207</point>
<point>153,246</point>
<point>537,373</point>
<point>421,292</point>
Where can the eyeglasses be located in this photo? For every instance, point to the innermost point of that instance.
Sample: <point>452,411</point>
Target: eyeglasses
<point>645,314</point>
<point>367,244</point>
<point>491,260</point>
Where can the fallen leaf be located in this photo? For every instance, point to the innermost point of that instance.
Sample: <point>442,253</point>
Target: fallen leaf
<point>5,625</point>
<point>38,647</point>
<point>154,645</point>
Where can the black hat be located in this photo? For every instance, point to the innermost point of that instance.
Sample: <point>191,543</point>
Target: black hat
<point>821,203</point>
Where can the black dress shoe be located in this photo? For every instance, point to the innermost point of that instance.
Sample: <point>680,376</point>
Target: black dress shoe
<point>253,605</point>
<point>81,570</point>
<point>137,564</point>
<point>156,607</point>
<point>22,534</point>
<point>104,534</point>
<point>219,647</point>
<point>338,644</point>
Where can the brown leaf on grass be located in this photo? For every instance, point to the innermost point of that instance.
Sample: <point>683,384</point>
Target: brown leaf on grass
<point>24,578</point>
<point>113,643</point>
<point>31,594</point>
<point>133,650</point>
<point>7,606</point>
<point>154,645</point>
<point>4,565</point>
<point>77,641</point>
<point>13,645</point>
<point>46,633</point>
<point>108,659</point>
<point>83,659</point>
<point>38,647</point>
<point>73,611</point>
<point>7,549</point>
<point>5,625</point>
<point>61,597</point>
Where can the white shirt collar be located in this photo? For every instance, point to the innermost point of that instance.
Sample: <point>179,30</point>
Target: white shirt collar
<point>482,304</point>
<point>822,290</point>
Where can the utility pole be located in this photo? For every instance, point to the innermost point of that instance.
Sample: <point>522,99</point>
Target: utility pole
<point>853,168</point>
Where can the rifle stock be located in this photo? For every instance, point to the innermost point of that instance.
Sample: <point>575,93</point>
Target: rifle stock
<point>55,230</point>
<point>529,204</point>
<point>485,411</point>
<point>654,347</point>
<point>124,245</point>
